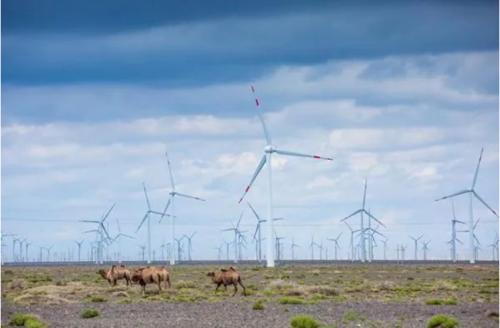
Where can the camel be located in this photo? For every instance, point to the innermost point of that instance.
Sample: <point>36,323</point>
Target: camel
<point>151,275</point>
<point>115,273</point>
<point>227,277</point>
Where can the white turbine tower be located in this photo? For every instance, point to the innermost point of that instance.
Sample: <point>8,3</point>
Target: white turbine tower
<point>170,203</point>
<point>362,211</point>
<point>269,149</point>
<point>454,238</point>
<point>472,193</point>
<point>415,240</point>
<point>147,217</point>
<point>79,245</point>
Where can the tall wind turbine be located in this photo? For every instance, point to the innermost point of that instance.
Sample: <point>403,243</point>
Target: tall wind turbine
<point>27,245</point>
<point>147,217</point>
<point>269,149</point>
<point>170,203</point>
<point>362,211</point>
<point>335,244</point>
<point>236,230</point>
<point>472,193</point>
<point>415,240</point>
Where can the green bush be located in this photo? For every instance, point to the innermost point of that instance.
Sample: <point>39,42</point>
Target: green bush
<point>26,320</point>
<point>291,300</point>
<point>89,313</point>
<point>442,321</point>
<point>303,321</point>
<point>259,305</point>
<point>351,315</point>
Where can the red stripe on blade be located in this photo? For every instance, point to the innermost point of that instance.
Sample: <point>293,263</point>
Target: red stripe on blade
<point>248,188</point>
<point>251,87</point>
<point>257,102</point>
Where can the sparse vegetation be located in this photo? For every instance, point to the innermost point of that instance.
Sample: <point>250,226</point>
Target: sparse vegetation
<point>291,300</point>
<point>89,313</point>
<point>259,305</point>
<point>26,320</point>
<point>446,301</point>
<point>303,321</point>
<point>442,321</point>
<point>351,315</point>
<point>96,299</point>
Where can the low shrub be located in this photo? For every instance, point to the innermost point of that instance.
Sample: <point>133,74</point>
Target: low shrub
<point>89,313</point>
<point>446,301</point>
<point>303,321</point>
<point>97,299</point>
<point>442,321</point>
<point>290,300</point>
<point>26,320</point>
<point>259,305</point>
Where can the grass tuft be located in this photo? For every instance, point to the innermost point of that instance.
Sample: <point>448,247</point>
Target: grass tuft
<point>446,301</point>
<point>26,320</point>
<point>303,321</point>
<point>442,321</point>
<point>259,305</point>
<point>89,313</point>
<point>351,315</point>
<point>291,300</point>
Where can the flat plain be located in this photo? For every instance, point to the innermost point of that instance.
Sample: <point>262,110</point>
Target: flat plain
<point>343,295</point>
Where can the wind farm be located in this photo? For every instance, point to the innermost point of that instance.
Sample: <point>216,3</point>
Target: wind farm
<point>253,164</point>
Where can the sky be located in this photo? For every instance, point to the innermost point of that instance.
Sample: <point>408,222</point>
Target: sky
<point>403,94</point>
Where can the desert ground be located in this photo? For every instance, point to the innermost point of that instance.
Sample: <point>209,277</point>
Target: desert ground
<point>344,295</point>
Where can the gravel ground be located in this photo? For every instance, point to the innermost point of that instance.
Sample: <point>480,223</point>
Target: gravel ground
<point>238,313</point>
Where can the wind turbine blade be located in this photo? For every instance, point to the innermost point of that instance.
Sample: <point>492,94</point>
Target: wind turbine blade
<point>90,221</point>
<point>239,220</point>
<point>256,230</point>
<point>477,240</point>
<point>170,172</point>
<point>378,221</point>
<point>166,208</point>
<point>358,211</point>
<point>459,221</point>
<point>264,127</point>
<point>229,229</point>
<point>106,231</point>
<point>291,153</point>
<point>89,231</point>
<point>477,169</point>
<point>146,195</point>
<point>484,203</point>
<point>256,173</point>
<point>459,241</point>
<point>453,195</point>
<point>254,212</point>
<point>453,209</point>
<point>142,222</point>
<point>127,236</point>
<point>340,234</point>
<point>189,196</point>
<point>109,211</point>
<point>349,226</point>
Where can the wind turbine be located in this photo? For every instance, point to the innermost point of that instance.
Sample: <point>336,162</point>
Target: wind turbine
<point>335,244</point>
<point>311,245</point>
<point>403,249</point>
<point>118,238</point>
<point>362,211</point>
<point>179,248</point>
<point>293,246</point>
<point>415,240</point>
<point>471,193</point>
<point>101,229</point>
<point>278,246</point>
<point>269,149</point>
<point>219,252</point>
<point>48,249</point>
<point>494,248</point>
<point>79,245</point>
<point>384,241</point>
<point>190,246</point>
<point>147,217</point>
<point>351,243</point>
<point>235,228</point>
<point>425,248</point>
<point>170,203</point>
<point>454,238</point>
<point>143,250</point>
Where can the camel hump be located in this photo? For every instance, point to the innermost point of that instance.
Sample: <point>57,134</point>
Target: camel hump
<point>223,270</point>
<point>232,268</point>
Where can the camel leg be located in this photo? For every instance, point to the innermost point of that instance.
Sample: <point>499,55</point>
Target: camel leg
<point>144,289</point>
<point>217,288</point>
<point>244,289</point>
<point>235,288</point>
<point>168,282</point>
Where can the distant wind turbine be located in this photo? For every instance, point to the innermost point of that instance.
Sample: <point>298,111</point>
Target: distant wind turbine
<point>170,203</point>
